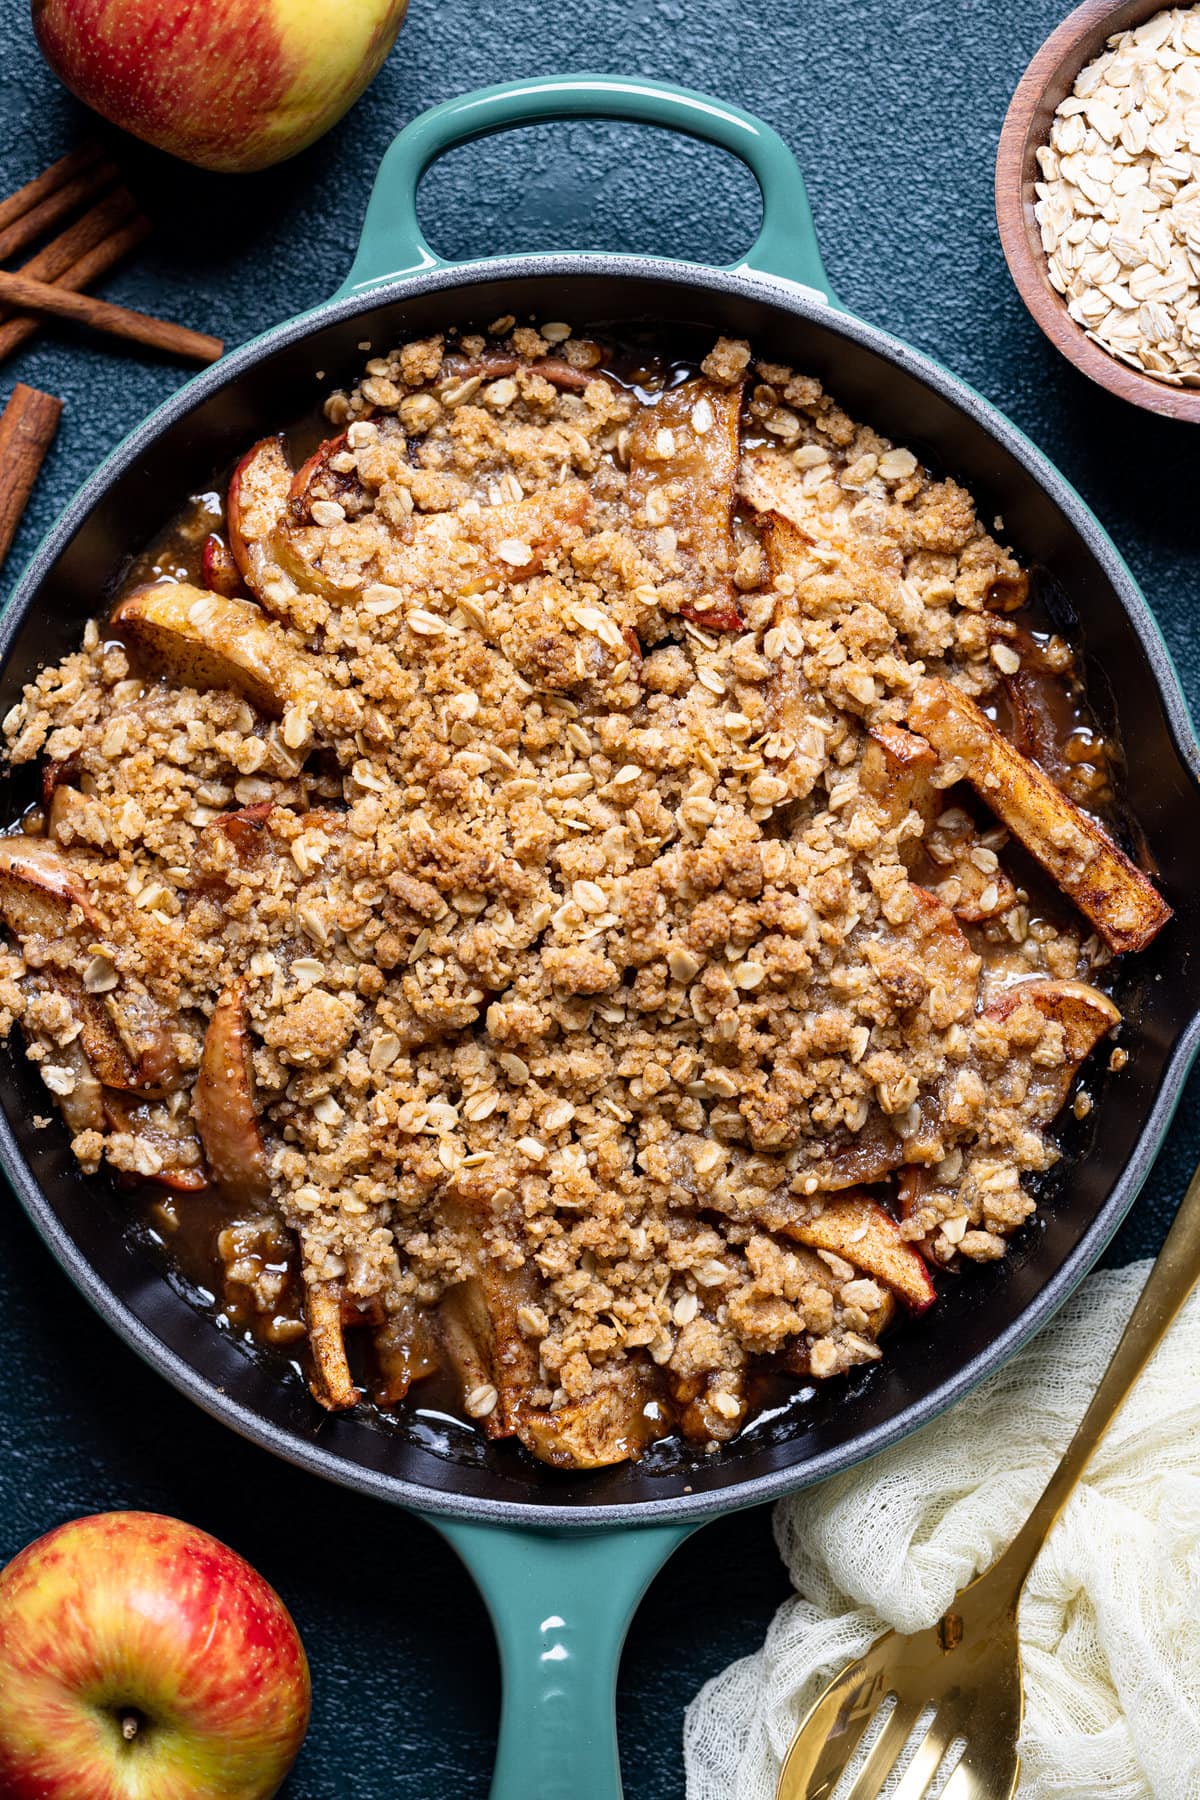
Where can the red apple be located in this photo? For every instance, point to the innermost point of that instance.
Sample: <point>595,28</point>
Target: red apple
<point>140,1659</point>
<point>229,84</point>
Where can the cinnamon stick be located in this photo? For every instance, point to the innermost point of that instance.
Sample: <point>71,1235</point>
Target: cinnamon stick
<point>65,200</point>
<point>48,182</point>
<point>78,257</point>
<point>27,430</point>
<point>56,257</point>
<point>118,321</point>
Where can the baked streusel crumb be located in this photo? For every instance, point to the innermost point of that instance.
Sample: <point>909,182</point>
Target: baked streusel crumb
<point>552,860</point>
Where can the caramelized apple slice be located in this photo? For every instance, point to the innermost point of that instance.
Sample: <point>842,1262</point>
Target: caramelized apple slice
<point>43,894</point>
<point>869,1156</point>
<point>447,553</point>
<point>123,1033</point>
<point>894,771</point>
<point>316,480</point>
<point>1083,1013</point>
<point>855,1343</point>
<point>613,1424</point>
<point>218,570</point>
<point>771,483</point>
<point>928,960</point>
<point>83,1107</point>
<point>945,952</point>
<point>859,1231</point>
<point>788,549</point>
<point>480,1322</point>
<point>258,494</point>
<point>72,818</point>
<point>162,1130</point>
<point>542,523</point>
<point>710,1408</point>
<point>1075,851</point>
<point>972,884</point>
<point>56,775</point>
<point>495,363</point>
<point>223,1102</point>
<point>202,640</point>
<point>332,1384</point>
<point>98,1036</point>
<point>683,466</point>
<point>405,1352</point>
<point>806,538</point>
<point>484,1344</point>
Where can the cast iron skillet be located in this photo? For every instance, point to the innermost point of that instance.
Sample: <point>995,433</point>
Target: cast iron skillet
<point>562,1585</point>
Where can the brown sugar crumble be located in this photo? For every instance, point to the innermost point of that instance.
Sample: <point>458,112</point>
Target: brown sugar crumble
<point>546,874</point>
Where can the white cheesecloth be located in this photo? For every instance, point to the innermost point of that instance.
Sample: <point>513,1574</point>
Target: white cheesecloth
<point>1110,1621</point>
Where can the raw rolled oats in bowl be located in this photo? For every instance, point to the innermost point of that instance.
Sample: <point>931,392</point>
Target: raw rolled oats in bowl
<point>1098,198</point>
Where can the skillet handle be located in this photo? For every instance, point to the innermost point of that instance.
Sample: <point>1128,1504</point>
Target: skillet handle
<point>392,245</point>
<point>561,1603</point>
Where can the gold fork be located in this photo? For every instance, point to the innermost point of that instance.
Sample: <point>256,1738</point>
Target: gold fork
<point>958,1685</point>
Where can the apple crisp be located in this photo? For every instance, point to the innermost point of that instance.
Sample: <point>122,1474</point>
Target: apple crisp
<point>593,880</point>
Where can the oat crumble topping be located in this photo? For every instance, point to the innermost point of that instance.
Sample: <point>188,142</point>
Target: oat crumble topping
<point>536,863</point>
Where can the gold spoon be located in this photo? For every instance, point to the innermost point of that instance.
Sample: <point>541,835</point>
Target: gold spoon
<point>958,1685</point>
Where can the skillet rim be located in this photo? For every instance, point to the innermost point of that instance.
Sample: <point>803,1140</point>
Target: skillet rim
<point>790,297</point>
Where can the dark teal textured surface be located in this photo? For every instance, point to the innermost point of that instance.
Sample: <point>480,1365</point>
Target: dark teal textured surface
<point>894,113</point>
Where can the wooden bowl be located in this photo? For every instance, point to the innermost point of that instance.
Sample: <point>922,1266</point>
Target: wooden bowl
<point>1047,81</point>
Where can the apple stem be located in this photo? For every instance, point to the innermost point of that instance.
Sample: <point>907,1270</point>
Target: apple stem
<point>129,1726</point>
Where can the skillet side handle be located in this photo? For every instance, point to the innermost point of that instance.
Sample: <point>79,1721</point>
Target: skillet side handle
<point>392,245</point>
<point>561,1603</point>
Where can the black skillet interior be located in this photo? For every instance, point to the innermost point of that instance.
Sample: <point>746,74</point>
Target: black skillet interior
<point>977,1318</point>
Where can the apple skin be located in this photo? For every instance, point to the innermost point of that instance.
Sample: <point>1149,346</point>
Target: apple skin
<point>227,84</point>
<point>133,1613</point>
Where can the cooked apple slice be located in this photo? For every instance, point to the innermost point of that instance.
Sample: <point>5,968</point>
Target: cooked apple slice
<point>405,1352</point>
<point>332,1384</point>
<point>73,818</point>
<point>869,1156</point>
<point>485,1346</point>
<point>862,1233</point>
<point>82,1107</point>
<point>315,480</point>
<point>1085,1016</point>
<point>244,829</point>
<point>542,523</point>
<point>928,958</point>
<point>1075,851</point>
<point>711,1407</point>
<point>613,1424</point>
<point>238,840</point>
<point>203,640</point>
<point>123,1033</point>
<point>480,1323</point>
<point>683,466</point>
<point>972,883</point>
<point>800,532</point>
<point>99,1037</point>
<point>771,483</point>
<point>495,363</point>
<point>42,892</point>
<point>788,549</point>
<point>894,771</point>
<point>223,1103</point>
<point>218,570</point>
<point>165,1132</point>
<point>258,494</point>
<point>56,775</point>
